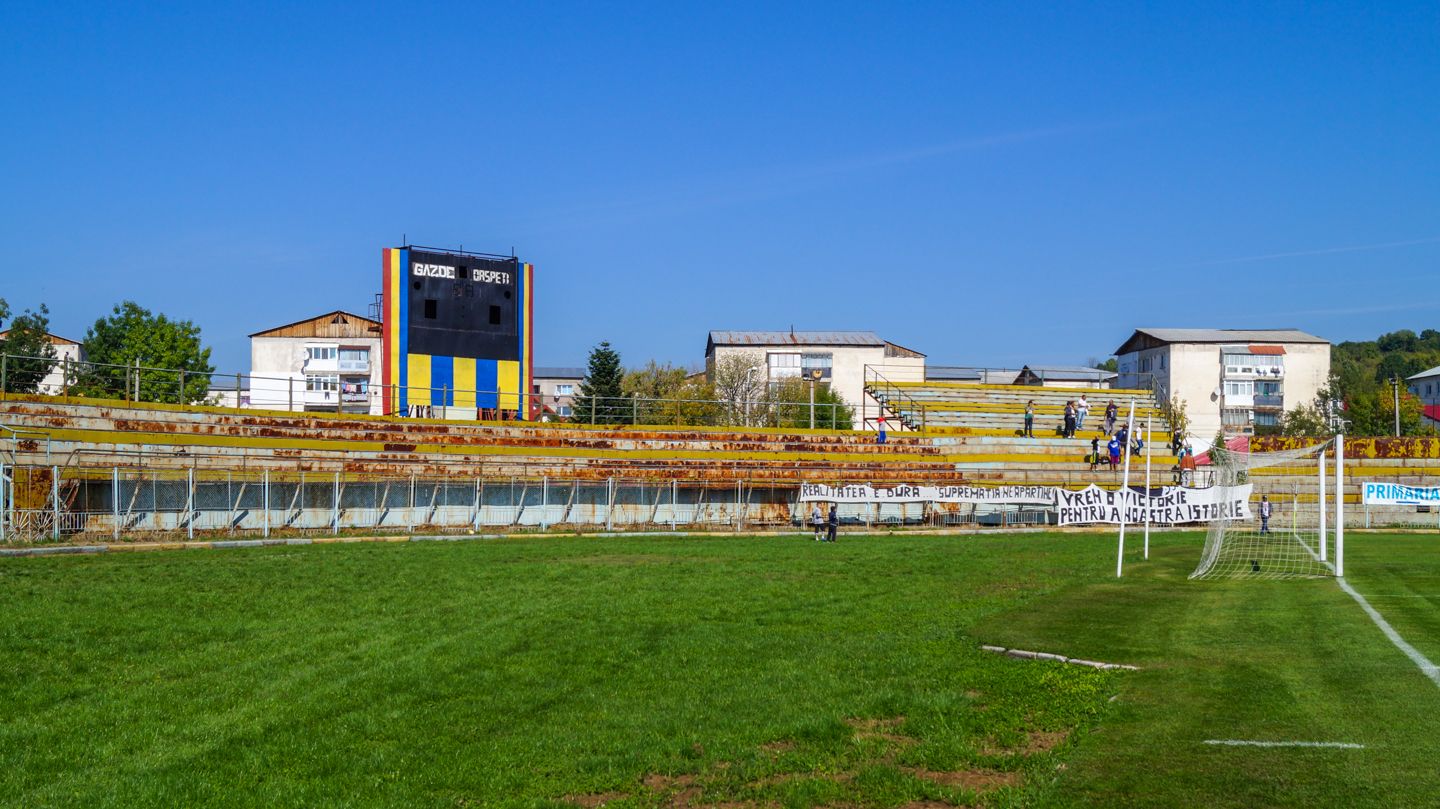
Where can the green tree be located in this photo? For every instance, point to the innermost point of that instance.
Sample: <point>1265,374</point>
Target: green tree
<point>1112,364</point>
<point>739,381</point>
<point>666,394</point>
<point>602,397</point>
<point>30,355</point>
<point>168,353</point>
<point>787,404</point>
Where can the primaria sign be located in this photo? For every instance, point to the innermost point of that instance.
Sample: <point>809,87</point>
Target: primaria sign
<point>1398,494</point>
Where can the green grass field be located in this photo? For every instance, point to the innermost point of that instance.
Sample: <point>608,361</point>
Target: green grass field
<point>703,672</point>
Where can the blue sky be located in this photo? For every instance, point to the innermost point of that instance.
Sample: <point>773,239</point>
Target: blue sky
<point>1001,184</point>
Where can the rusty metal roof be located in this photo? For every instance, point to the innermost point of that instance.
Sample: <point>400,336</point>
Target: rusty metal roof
<point>543,372</point>
<point>1150,338</point>
<point>796,338</point>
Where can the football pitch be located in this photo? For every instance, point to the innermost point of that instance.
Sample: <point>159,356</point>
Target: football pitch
<point>709,672</point>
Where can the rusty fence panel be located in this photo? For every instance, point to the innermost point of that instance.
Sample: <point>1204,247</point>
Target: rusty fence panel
<point>48,503</point>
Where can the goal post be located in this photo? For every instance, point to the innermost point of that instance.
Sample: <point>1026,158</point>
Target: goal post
<point>1289,530</point>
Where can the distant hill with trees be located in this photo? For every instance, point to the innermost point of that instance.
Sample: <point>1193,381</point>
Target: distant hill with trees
<point>1360,376</point>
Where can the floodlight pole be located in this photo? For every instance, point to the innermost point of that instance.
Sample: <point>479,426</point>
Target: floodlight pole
<point>1149,423</point>
<point>1124,487</point>
<point>1340,504</point>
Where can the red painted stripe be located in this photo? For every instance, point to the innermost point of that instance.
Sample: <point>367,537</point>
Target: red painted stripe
<point>386,330</point>
<point>530,337</point>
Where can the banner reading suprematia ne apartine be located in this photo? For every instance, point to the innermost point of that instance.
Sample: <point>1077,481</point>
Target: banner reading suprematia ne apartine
<point>1173,504</point>
<point>862,493</point>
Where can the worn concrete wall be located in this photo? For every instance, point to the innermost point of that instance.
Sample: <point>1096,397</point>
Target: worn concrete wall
<point>1193,373</point>
<point>1307,370</point>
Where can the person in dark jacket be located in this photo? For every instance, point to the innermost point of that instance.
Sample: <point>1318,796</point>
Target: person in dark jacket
<point>1111,414</point>
<point>833,525</point>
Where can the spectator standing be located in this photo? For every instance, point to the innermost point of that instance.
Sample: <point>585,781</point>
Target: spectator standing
<point>1029,419</point>
<point>1094,453</point>
<point>1177,443</point>
<point>1111,413</point>
<point>1069,429</point>
<point>833,525</point>
<point>1187,467</point>
<point>1264,513</point>
<point>1114,447</point>
<point>1122,437</point>
<point>881,438</point>
<point>1082,409</point>
<point>817,520</point>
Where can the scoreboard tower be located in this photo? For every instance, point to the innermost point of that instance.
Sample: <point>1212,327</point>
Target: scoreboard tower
<point>457,332</point>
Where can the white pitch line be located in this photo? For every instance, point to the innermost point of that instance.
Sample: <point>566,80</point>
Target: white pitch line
<point>1248,743</point>
<point>1426,667</point>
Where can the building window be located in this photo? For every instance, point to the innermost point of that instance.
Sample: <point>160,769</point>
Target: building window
<point>564,411</point>
<point>816,362</point>
<point>320,352</point>
<point>1267,419</point>
<point>564,390</point>
<point>354,359</point>
<point>1234,417</point>
<point>1241,388</point>
<point>784,366</point>
<point>322,382</point>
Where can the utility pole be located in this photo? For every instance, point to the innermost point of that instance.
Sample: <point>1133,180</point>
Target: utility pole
<point>1395,386</point>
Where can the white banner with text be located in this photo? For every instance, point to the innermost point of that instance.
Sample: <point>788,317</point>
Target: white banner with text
<point>1172,504</point>
<point>862,493</point>
<point>1398,494</point>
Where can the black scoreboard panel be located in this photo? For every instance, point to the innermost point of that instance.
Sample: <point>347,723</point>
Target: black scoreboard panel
<point>463,306</point>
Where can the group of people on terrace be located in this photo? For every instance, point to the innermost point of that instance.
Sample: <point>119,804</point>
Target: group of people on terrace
<point>1076,411</point>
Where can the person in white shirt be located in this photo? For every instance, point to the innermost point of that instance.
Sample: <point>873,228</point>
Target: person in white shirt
<point>1082,408</point>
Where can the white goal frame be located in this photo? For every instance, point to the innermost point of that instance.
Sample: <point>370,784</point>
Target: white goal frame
<point>1230,544</point>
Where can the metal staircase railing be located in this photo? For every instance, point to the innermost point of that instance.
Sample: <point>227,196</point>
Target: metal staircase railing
<point>887,394</point>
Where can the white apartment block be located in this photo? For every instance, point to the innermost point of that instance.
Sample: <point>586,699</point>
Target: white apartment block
<point>840,358</point>
<point>1232,378</point>
<point>1425,386</point>
<point>67,352</point>
<point>329,363</point>
<point>557,389</point>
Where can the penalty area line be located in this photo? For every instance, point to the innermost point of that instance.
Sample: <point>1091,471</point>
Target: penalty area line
<point>1249,743</point>
<point>1426,667</point>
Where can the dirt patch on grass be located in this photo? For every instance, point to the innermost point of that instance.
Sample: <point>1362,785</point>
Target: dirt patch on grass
<point>1036,741</point>
<point>777,747</point>
<point>883,729</point>
<point>596,800</point>
<point>929,805</point>
<point>678,791</point>
<point>977,780</point>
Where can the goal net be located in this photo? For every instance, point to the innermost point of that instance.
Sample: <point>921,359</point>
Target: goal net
<point>1286,534</point>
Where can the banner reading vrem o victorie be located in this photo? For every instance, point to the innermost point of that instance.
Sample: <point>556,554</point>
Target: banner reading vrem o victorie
<point>1172,505</point>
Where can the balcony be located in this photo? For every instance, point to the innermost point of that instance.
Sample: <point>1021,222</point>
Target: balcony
<point>1276,401</point>
<point>354,366</point>
<point>1254,372</point>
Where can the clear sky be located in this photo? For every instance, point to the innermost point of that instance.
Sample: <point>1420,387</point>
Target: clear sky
<point>986,183</point>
